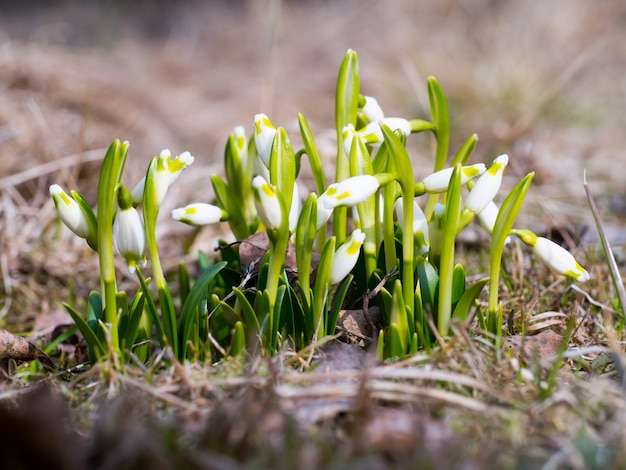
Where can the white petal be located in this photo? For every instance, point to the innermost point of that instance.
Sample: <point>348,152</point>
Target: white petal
<point>346,256</point>
<point>350,191</point>
<point>559,259</point>
<point>267,204</point>
<point>198,214</point>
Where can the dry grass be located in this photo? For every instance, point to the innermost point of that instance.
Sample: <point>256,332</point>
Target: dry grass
<point>541,81</point>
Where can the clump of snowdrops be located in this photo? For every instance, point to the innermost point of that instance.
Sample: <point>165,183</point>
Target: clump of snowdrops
<point>371,234</point>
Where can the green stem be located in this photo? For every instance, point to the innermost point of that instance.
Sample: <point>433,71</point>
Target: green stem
<point>110,175</point>
<point>446,263</point>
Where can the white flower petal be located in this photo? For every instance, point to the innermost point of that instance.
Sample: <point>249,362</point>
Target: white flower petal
<point>267,204</point>
<point>559,259</point>
<point>198,214</point>
<point>350,191</point>
<point>346,256</point>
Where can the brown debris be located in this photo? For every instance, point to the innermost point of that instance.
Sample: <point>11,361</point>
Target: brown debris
<point>357,327</point>
<point>19,349</point>
<point>541,345</point>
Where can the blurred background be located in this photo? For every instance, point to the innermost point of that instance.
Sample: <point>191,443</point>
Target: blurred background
<point>541,81</point>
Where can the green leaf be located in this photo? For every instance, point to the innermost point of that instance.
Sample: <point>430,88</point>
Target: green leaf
<point>458,283</point>
<point>441,121</point>
<point>96,349</point>
<point>95,311</point>
<point>429,283</point>
<point>314,158</point>
<point>446,265</point>
<point>502,227</point>
<point>234,170</point>
<point>467,301</point>
<point>346,104</point>
<point>283,166</point>
<point>190,308</point>
<point>393,343</point>
<point>322,285</point>
<point>305,237</point>
<point>335,308</point>
<point>184,283</point>
<point>152,310</point>
<point>227,201</point>
<point>399,316</point>
<point>465,152</point>
<point>238,344</point>
<point>134,319</point>
<point>249,316</point>
<point>124,313</point>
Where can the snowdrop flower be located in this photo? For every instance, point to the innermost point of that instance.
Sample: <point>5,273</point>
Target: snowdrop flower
<point>128,236</point>
<point>554,256</point>
<point>486,186</point>
<point>168,171</point>
<point>348,135</point>
<point>559,260</point>
<point>323,214</point>
<point>70,212</point>
<point>439,181</point>
<point>178,164</point>
<point>487,217</point>
<point>372,110</point>
<point>264,132</point>
<point>199,214</point>
<point>420,224</point>
<point>267,203</point>
<point>350,191</point>
<point>373,134</point>
<point>346,257</point>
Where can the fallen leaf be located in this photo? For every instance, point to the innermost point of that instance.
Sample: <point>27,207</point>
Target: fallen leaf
<point>542,344</point>
<point>253,248</point>
<point>357,327</point>
<point>19,349</point>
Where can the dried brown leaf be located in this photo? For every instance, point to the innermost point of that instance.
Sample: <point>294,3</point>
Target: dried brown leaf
<point>19,349</point>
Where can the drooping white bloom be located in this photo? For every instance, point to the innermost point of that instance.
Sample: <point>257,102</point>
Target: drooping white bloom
<point>372,110</point>
<point>323,214</point>
<point>487,186</point>
<point>198,214</point>
<point>128,236</point>
<point>439,181</point>
<point>69,211</point>
<point>168,171</point>
<point>266,203</point>
<point>346,256</point>
<point>559,260</point>
<point>487,217</point>
<point>373,134</point>
<point>420,224</point>
<point>397,124</point>
<point>264,133</point>
<point>176,165</point>
<point>350,191</point>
